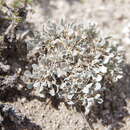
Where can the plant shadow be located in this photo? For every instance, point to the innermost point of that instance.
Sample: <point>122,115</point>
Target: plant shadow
<point>113,110</point>
<point>28,125</point>
<point>12,119</point>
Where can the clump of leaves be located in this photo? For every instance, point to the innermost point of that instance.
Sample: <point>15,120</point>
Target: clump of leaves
<point>12,45</point>
<point>13,34</point>
<point>19,3</point>
<point>74,63</point>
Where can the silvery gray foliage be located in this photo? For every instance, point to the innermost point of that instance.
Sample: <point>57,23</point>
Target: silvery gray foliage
<point>74,63</point>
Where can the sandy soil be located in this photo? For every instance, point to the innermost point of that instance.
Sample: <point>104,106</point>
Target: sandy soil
<point>112,16</point>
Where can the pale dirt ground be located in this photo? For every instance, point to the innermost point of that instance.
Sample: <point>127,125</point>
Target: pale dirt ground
<point>112,16</point>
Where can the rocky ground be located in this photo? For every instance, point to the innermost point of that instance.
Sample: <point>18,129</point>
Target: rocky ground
<point>112,18</point>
